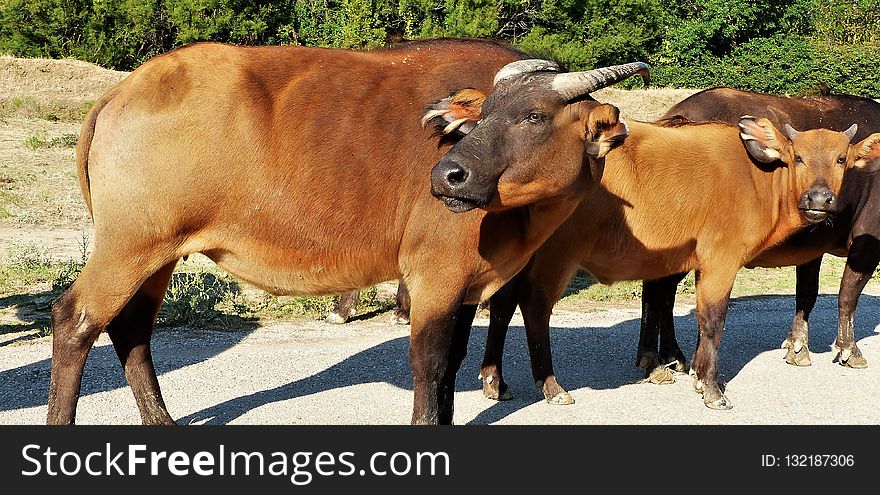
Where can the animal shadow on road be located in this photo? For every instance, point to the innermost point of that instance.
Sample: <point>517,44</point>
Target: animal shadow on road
<point>587,357</point>
<point>28,386</point>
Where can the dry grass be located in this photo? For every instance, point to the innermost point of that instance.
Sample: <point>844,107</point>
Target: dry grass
<point>38,184</point>
<point>41,105</point>
<point>643,104</point>
<point>47,80</point>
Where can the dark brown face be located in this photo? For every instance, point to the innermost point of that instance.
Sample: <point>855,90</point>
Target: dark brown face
<point>499,160</point>
<point>536,133</point>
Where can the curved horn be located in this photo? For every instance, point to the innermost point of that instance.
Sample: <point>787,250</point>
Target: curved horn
<point>572,85</point>
<point>851,132</point>
<point>789,130</point>
<point>523,66</point>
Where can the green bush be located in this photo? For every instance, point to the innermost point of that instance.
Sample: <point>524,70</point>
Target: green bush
<point>790,46</point>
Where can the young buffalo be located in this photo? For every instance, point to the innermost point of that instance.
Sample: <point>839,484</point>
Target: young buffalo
<point>854,230</point>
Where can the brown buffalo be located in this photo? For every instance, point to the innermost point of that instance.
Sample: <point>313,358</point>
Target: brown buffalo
<point>854,230</point>
<point>673,198</point>
<point>263,159</point>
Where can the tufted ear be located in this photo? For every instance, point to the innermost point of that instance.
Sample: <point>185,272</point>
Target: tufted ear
<point>458,112</point>
<point>603,130</point>
<point>763,141</point>
<point>868,154</point>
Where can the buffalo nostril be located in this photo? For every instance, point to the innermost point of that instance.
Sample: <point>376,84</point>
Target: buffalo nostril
<point>456,175</point>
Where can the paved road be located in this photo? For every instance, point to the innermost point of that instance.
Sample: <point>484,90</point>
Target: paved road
<point>305,373</point>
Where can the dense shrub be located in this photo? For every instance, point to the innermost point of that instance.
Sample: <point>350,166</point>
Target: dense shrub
<point>782,46</point>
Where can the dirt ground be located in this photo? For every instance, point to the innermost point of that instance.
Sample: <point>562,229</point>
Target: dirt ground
<point>315,373</point>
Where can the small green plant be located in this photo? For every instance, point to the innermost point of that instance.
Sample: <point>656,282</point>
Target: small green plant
<point>39,141</point>
<point>372,300</point>
<point>291,306</point>
<point>64,141</point>
<point>194,297</point>
<point>36,141</point>
<point>68,270</point>
<point>28,107</point>
<point>27,256</point>
<point>688,285</point>
<point>25,265</point>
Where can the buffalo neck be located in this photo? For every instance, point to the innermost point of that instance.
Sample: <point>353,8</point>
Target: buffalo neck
<point>777,188</point>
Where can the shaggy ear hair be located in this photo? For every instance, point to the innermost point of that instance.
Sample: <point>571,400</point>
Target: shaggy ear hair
<point>604,130</point>
<point>457,113</point>
<point>762,140</point>
<point>868,154</point>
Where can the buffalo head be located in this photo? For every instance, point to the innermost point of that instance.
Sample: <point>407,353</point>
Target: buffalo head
<point>530,140</point>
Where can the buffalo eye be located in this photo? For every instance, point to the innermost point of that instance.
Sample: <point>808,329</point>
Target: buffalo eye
<point>841,160</point>
<point>798,159</point>
<point>535,118</point>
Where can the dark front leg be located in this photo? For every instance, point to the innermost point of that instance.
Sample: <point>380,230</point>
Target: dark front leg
<point>658,300</point>
<point>797,342</point>
<point>437,348</point>
<point>502,305</point>
<point>345,307</point>
<point>864,255</point>
<point>537,306</point>
<point>713,294</point>
<point>130,333</point>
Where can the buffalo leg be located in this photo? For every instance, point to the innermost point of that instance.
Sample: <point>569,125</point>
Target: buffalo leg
<point>797,341</point>
<point>541,289</point>
<point>864,255</point>
<point>658,299</point>
<point>502,305</point>
<point>713,294</point>
<point>130,332</point>
<point>97,296</point>
<point>401,310</point>
<point>438,344</point>
<point>345,307</point>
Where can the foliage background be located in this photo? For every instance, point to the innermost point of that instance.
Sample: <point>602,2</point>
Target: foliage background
<point>793,46</point>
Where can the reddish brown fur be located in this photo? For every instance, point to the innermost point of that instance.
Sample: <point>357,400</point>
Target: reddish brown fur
<point>672,199</point>
<point>854,231</point>
<point>263,159</point>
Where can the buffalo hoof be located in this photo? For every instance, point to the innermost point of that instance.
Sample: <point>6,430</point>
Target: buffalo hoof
<point>798,353</point>
<point>335,319</point>
<point>674,360</point>
<point>561,399</point>
<point>713,397</point>
<point>495,389</point>
<point>851,357</point>
<point>719,403</point>
<point>554,393</point>
<point>399,320</point>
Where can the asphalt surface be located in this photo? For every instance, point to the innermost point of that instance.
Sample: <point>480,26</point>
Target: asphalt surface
<point>315,373</point>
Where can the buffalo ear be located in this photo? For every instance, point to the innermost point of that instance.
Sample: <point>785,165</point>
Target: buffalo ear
<point>762,140</point>
<point>457,113</point>
<point>868,154</point>
<point>604,130</point>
